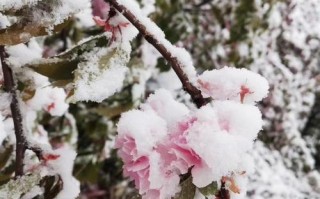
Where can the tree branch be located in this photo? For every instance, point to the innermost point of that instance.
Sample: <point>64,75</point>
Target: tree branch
<point>194,92</point>
<point>10,87</point>
<point>22,143</point>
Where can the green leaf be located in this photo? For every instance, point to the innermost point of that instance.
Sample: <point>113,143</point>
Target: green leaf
<point>4,178</point>
<point>209,190</point>
<point>111,112</point>
<point>62,66</point>
<point>56,69</point>
<point>88,173</point>
<point>7,173</point>
<point>21,33</point>
<point>4,157</point>
<point>188,189</point>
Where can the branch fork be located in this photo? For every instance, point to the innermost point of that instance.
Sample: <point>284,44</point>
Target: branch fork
<point>22,143</point>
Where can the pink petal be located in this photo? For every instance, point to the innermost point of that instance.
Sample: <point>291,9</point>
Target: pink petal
<point>99,21</point>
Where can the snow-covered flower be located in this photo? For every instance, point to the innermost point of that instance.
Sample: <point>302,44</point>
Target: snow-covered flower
<point>100,8</point>
<point>220,135</point>
<point>143,142</point>
<point>233,84</point>
<point>120,28</point>
<point>49,99</point>
<point>165,139</point>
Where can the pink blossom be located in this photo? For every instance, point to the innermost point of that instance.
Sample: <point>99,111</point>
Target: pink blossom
<point>50,99</point>
<point>154,155</point>
<point>120,28</point>
<point>140,134</point>
<point>100,8</point>
<point>152,174</point>
<point>109,27</point>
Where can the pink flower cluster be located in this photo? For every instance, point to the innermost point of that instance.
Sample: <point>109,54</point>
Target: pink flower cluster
<point>164,139</point>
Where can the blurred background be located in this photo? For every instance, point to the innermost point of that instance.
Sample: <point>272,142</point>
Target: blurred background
<point>280,39</point>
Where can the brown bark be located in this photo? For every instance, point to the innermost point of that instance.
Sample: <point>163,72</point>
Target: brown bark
<point>10,87</point>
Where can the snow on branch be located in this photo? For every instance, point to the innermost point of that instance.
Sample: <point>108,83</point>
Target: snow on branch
<point>9,85</point>
<point>179,58</point>
<point>22,143</point>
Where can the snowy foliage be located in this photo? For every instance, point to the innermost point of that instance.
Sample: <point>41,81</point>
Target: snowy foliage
<point>102,74</point>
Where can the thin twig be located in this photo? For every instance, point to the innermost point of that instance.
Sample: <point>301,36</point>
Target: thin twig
<point>21,142</point>
<point>37,150</point>
<point>10,87</point>
<point>194,92</point>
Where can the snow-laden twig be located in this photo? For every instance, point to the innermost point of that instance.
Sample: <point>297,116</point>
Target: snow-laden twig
<point>22,143</point>
<point>10,87</point>
<point>166,49</point>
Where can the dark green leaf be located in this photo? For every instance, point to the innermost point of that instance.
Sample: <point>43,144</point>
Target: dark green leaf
<point>211,189</point>
<point>188,189</point>
<point>87,173</point>
<point>4,156</point>
<point>56,70</point>
<point>111,112</point>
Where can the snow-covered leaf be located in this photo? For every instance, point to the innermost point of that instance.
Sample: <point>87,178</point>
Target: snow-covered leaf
<point>19,33</point>
<point>85,46</point>
<point>16,187</point>
<point>102,74</point>
<point>15,5</point>
<point>61,67</point>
